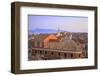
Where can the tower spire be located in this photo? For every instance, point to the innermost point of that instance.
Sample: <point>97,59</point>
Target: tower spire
<point>58,31</point>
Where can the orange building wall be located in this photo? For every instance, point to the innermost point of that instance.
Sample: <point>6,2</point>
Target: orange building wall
<point>47,40</point>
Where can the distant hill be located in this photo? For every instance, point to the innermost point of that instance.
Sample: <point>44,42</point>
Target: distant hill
<point>47,31</point>
<point>38,31</point>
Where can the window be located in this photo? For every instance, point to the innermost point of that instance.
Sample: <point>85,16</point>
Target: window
<point>59,54</point>
<point>52,53</point>
<point>79,55</point>
<point>38,44</point>
<point>65,55</point>
<point>45,52</point>
<point>35,51</point>
<point>40,52</point>
<point>71,55</point>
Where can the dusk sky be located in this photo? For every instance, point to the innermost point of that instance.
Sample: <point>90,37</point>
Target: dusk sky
<point>68,23</point>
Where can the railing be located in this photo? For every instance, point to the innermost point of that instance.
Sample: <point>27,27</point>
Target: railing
<point>55,50</point>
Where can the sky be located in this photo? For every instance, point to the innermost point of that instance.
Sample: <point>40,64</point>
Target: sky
<point>66,23</point>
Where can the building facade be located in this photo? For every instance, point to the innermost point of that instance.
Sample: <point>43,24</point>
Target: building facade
<point>54,46</point>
